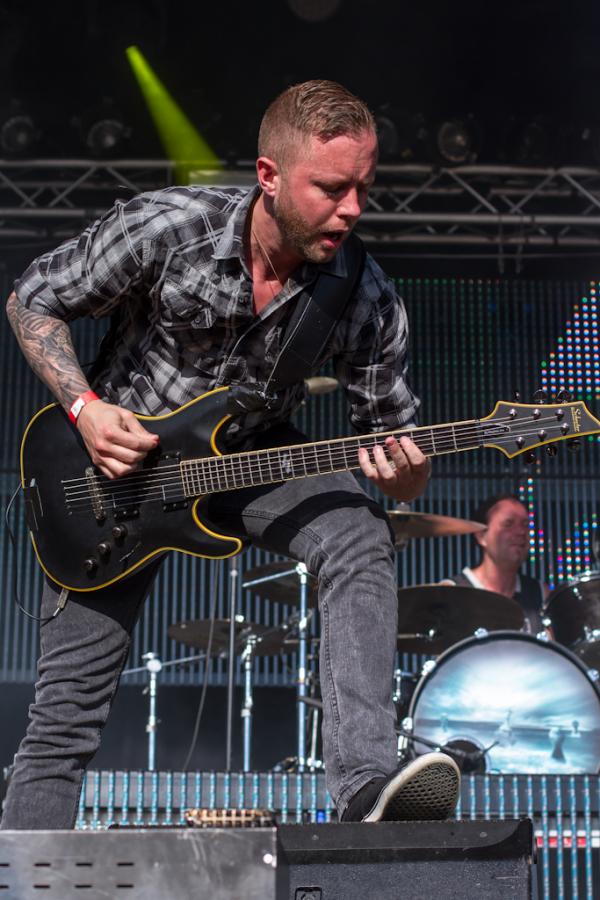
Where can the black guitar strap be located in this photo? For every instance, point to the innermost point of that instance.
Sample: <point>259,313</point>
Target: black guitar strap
<point>318,310</point>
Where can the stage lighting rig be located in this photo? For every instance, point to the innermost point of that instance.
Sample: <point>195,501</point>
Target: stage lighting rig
<point>102,130</point>
<point>106,137</point>
<point>18,132</point>
<point>455,141</point>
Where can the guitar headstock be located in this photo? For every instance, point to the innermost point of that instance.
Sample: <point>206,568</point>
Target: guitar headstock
<point>515,428</point>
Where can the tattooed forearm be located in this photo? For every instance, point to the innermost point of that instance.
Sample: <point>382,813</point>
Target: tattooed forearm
<point>48,348</point>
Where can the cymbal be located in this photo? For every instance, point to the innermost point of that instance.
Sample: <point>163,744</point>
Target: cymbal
<point>286,588</point>
<point>409,524</point>
<point>432,617</point>
<point>195,633</point>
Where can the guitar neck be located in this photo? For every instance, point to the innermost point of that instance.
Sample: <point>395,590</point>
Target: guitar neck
<point>239,470</point>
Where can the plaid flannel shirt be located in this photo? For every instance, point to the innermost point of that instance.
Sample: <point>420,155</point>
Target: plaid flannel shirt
<point>172,261</point>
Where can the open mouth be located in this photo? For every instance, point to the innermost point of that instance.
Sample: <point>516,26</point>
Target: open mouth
<point>333,238</point>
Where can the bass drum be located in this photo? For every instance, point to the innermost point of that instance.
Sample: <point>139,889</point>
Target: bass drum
<point>529,703</point>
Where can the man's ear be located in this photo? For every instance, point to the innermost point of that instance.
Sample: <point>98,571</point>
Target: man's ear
<point>480,537</point>
<point>268,174</point>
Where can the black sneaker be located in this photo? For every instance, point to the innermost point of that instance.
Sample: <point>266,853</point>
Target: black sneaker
<point>426,788</point>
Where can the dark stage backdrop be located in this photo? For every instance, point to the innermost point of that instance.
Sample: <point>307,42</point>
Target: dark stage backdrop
<point>473,342</point>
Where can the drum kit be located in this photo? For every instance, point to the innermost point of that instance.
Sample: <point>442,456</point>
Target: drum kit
<point>496,698</point>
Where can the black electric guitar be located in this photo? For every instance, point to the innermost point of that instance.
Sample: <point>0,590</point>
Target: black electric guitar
<point>89,531</point>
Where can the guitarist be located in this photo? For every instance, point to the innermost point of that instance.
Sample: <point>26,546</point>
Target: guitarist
<point>205,282</point>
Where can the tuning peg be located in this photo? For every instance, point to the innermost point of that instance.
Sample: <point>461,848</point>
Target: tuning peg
<point>551,449</point>
<point>574,445</point>
<point>563,396</point>
<point>529,458</point>
<point>540,397</point>
<point>516,396</point>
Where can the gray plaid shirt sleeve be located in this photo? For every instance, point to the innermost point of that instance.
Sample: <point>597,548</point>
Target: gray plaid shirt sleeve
<point>89,274</point>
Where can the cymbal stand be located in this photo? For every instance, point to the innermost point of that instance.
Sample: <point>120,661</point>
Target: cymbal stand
<point>247,661</point>
<point>302,664</point>
<point>233,582</point>
<point>153,666</point>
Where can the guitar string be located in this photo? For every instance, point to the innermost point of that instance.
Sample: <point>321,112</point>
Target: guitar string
<point>339,444</point>
<point>255,466</point>
<point>158,491</point>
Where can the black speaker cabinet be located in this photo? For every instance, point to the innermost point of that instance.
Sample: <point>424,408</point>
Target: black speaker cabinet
<point>410,861</point>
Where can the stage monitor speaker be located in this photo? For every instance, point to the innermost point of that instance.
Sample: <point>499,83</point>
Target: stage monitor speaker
<point>387,861</point>
<point>142,864</point>
<point>475,860</point>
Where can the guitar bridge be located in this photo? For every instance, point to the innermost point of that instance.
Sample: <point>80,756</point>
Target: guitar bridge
<point>95,494</point>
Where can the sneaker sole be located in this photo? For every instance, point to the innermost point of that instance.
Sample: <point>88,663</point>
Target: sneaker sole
<point>425,789</point>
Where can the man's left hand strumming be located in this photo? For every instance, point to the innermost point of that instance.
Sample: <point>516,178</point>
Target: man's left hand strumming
<point>405,476</point>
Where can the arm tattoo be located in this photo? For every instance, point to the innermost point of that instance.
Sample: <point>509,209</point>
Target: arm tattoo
<point>47,346</point>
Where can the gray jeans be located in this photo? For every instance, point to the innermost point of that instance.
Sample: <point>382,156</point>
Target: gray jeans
<point>327,522</point>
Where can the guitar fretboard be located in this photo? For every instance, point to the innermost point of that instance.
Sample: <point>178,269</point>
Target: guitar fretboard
<point>239,470</point>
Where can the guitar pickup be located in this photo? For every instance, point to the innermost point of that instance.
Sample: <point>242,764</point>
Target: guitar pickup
<point>33,505</point>
<point>177,504</point>
<point>126,512</point>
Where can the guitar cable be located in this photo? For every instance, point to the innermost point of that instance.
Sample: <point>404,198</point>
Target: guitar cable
<point>64,594</point>
<point>216,570</point>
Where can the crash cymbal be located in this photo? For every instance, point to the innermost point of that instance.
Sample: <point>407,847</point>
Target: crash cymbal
<point>432,617</point>
<point>283,589</point>
<point>196,632</point>
<point>409,524</point>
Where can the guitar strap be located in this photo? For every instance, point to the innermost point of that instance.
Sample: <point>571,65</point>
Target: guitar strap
<point>318,310</point>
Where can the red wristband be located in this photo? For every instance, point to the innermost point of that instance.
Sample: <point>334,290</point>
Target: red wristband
<point>78,405</point>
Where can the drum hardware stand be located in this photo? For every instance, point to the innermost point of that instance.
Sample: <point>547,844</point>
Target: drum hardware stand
<point>247,660</point>
<point>467,760</point>
<point>233,576</point>
<point>301,683</point>
<point>153,666</point>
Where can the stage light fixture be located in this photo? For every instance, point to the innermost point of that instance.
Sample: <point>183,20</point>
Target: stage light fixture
<point>105,137</point>
<point>532,142</point>
<point>18,134</point>
<point>456,141</point>
<point>400,134</point>
<point>314,10</point>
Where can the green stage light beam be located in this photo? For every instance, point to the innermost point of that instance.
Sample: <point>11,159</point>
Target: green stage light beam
<point>181,140</point>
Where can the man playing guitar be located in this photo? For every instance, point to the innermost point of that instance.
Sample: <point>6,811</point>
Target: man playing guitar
<point>204,283</point>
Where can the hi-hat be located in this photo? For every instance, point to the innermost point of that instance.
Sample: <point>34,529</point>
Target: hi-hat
<point>408,524</point>
<point>432,617</point>
<point>285,587</point>
<point>196,633</point>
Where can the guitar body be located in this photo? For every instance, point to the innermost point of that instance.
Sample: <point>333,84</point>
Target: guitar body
<point>84,550</point>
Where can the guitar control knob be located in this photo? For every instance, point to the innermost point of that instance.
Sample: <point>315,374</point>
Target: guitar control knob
<point>90,565</point>
<point>551,449</point>
<point>119,532</point>
<point>104,548</point>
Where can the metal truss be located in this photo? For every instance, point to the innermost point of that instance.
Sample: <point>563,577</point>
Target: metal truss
<point>495,207</point>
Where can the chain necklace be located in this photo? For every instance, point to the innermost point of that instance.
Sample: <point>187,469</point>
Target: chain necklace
<point>267,259</point>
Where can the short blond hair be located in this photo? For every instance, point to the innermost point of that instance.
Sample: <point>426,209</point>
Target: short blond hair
<point>319,108</point>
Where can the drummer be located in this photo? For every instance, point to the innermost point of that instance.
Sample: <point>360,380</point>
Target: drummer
<point>504,548</point>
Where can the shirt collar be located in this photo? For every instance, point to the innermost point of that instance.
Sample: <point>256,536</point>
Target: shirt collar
<point>230,243</point>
